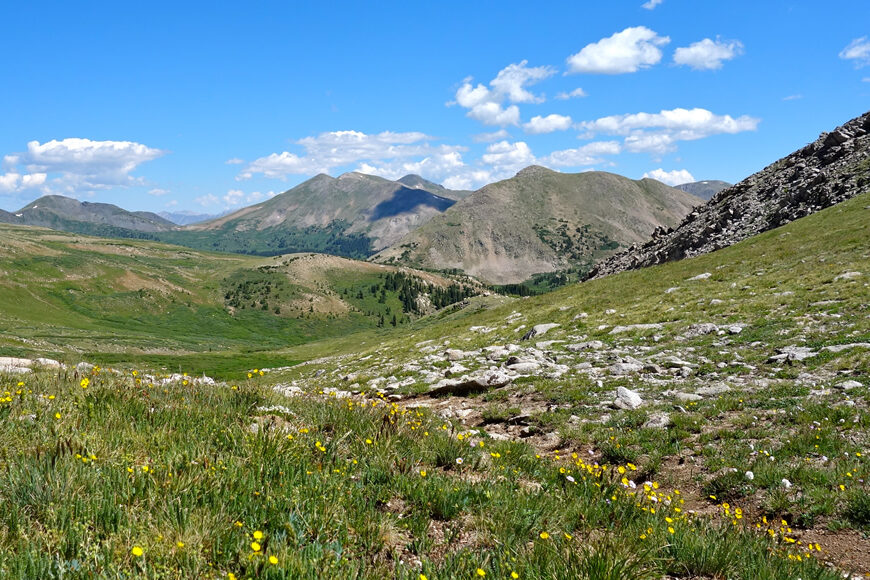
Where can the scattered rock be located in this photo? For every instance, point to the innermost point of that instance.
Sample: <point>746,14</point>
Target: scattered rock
<point>658,420</point>
<point>624,368</point>
<point>703,276</point>
<point>713,390</point>
<point>633,327</point>
<point>847,276</point>
<point>627,399</point>
<point>466,385</point>
<point>847,385</point>
<point>702,329</point>
<point>581,346</point>
<point>792,353</point>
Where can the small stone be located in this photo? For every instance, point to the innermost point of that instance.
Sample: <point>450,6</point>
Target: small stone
<point>658,421</point>
<point>703,276</point>
<point>848,385</point>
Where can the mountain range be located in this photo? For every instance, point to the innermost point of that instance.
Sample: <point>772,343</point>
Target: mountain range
<point>541,221</point>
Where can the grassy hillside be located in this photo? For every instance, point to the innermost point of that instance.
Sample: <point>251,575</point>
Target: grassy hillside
<point>71,296</point>
<point>346,467</point>
<point>540,221</point>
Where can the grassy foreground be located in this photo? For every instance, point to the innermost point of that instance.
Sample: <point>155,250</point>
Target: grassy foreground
<point>117,475</point>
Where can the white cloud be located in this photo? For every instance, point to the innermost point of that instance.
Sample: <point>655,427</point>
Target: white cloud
<point>488,104</point>
<point>506,157</point>
<point>490,137</point>
<point>650,4</point>
<point>78,166</point>
<point>341,148</point>
<point>235,161</point>
<point>652,143</point>
<point>865,80</point>
<point>675,177</point>
<point>512,79</point>
<point>857,50</point>
<point>158,192</point>
<point>657,133</point>
<point>494,114</point>
<point>793,97</point>
<point>575,94</point>
<point>470,179</point>
<point>670,125</point>
<point>548,124</point>
<point>708,54</point>
<point>589,154</point>
<point>171,203</point>
<point>435,165</point>
<point>624,52</point>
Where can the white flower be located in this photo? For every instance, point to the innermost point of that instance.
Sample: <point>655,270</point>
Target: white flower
<point>569,478</point>
<point>786,483</point>
<point>749,475</point>
<point>459,461</point>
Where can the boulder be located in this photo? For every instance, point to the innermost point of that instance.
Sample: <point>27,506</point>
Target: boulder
<point>627,399</point>
<point>473,384</point>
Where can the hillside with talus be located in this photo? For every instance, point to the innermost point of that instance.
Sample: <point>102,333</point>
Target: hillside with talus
<point>833,168</point>
<point>541,221</point>
<point>354,214</point>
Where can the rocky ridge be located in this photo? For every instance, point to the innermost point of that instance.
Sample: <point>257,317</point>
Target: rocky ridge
<point>833,168</point>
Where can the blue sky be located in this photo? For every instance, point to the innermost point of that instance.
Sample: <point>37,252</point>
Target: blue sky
<point>212,106</point>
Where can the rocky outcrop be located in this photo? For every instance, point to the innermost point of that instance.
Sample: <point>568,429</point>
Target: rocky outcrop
<point>833,168</point>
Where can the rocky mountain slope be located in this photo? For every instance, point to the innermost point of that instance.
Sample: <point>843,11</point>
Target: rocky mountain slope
<point>367,211</point>
<point>704,189</point>
<point>833,168</point>
<point>540,221</point>
<point>185,218</point>
<point>67,214</point>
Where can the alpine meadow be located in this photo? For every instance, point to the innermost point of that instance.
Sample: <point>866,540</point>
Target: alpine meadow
<point>435,292</point>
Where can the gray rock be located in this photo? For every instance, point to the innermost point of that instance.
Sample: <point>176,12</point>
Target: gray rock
<point>703,276</point>
<point>687,397</point>
<point>792,353</point>
<point>48,363</point>
<point>700,329</point>
<point>847,276</point>
<point>525,367</point>
<point>542,329</point>
<point>624,368</point>
<point>465,385</point>
<point>581,346</point>
<point>453,354</point>
<point>658,420</point>
<point>627,399</point>
<point>633,327</point>
<point>713,390</point>
<point>8,362</point>
<point>847,385</point>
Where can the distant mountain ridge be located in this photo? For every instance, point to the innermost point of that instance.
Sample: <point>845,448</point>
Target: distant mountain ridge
<point>833,168</point>
<point>71,215</point>
<point>355,214</point>
<point>184,218</point>
<point>540,221</point>
<point>704,189</point>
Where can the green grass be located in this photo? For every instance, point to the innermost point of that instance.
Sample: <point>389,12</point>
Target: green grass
<point>342,488</point>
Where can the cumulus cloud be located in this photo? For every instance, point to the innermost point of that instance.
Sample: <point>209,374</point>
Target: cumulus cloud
<point>575,94</point>
<point>327,151</point>
<point>675,177</point>
<point>506,157</point>
<point>624,52</point>
<point>548,124</point>
<point>491,105</point>
<point>158,191</point>
<point>436,164</point>
<point>651,4</point>
<point>77,166</point>
<point>658,132</point>
<point>589,154</point>
<point>235,161</point>
<point>857,50</point>
<point>707,54</point>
